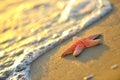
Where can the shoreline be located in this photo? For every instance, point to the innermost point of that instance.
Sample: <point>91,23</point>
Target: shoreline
<point>96,60</point>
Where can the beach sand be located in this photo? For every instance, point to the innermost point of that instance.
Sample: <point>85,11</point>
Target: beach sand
<point>96,60</point>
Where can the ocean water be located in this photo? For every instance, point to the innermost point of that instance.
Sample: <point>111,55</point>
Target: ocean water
<point>29,28</point>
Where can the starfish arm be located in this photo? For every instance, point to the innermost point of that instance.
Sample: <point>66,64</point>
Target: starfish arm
<point>66,52</point>
<point>71,49</point>
<point>93,36</point>
<point>78,50</point>
<point>90,43</point>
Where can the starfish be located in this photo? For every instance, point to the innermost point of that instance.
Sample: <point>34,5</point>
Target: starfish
<point>82,43</point>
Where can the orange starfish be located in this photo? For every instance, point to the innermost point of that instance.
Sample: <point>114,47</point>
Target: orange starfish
<point>82,43</point>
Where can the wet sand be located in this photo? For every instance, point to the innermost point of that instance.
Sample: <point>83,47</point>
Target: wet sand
<point>95,60</point>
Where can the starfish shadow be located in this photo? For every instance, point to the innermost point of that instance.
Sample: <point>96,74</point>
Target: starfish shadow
<point>92,53</point>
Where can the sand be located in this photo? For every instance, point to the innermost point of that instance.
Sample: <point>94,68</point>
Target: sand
<point>96,60</point>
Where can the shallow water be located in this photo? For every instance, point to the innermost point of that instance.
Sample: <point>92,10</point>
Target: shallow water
<point>30,28</point>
